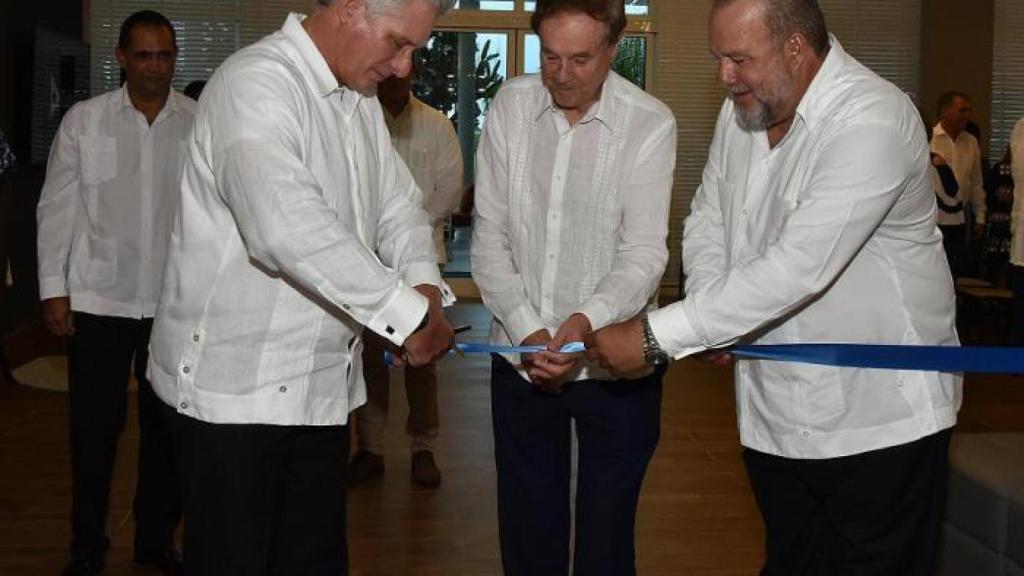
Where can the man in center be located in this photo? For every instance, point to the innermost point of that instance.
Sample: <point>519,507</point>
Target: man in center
<point>574,175</point>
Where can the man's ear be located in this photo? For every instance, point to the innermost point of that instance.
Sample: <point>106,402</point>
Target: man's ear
<point>615,46</point>
<point>121,57</point>
<point>350,10</point>
<point>795,46</point>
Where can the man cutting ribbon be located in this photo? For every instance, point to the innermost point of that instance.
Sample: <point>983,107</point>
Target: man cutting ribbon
<point>572,193</point>
<point>815,222</point>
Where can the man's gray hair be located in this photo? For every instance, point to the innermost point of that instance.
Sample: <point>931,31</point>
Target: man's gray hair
<point>378,7</point>
<point>785,17</point>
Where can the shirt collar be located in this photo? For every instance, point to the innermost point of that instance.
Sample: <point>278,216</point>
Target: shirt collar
<point>413,101</point>
<point>603,110</point>
<point>319,74</point>
<point>816,103</point>
<point>938,130</point>
<point>125,101</point>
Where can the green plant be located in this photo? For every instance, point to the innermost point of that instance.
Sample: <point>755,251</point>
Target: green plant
<point>631,60</point>
<point>437,80</point>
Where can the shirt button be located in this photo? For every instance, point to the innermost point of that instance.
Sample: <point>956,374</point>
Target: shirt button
<point>183,405</point>
<point>186,370</point>
<point>551,256</point>
<point>806,434</point>
<point>195,337</point>
<point>346,307</point>
<point>282,389</point>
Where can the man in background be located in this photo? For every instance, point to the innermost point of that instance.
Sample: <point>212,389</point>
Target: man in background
<point>105,213</point>
<point>960,149</point>
<point>426,141</point>
<point>1017,233</point>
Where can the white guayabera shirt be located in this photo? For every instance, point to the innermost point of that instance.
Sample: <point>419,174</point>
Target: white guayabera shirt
<point>107,204</point>
<point>426,141</point>
<point>830,237</point>
<point>571,218</point>
<point>964,157</point>
<point>290,192</point>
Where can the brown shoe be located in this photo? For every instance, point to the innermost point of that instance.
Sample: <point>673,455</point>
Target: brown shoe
<point>424,470</point>
<point>365,465</point>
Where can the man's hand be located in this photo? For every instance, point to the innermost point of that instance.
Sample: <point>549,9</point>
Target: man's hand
<point>619,348</point>
<point>539,338</point>
<point>433,340</point>
<point>58,317</point>
<point>549,369</point>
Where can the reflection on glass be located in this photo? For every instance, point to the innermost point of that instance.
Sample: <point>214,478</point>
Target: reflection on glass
<point>633,7</point>
<point>459,73</point>
<point>485,5</point>
<point>630,62</point>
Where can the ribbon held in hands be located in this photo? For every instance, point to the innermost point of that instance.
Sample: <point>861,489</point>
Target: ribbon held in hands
<point>481,348</point>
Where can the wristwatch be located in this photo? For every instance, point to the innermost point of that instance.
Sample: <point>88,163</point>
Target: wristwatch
<point>653,354</point>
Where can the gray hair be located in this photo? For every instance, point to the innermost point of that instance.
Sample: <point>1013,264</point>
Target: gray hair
<point>378,7</point>
<point>785,17</point>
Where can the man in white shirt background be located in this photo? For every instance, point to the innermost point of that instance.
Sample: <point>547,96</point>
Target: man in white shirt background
<point>105,215</point>
<point>815,222</point>
<point>299,225</point>
<point>960,149</point>
<point>573,188</point>
<point>426,141</point>
<point>1017,235</point>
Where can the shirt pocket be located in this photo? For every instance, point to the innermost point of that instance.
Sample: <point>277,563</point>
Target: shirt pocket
<point>98,159</point>
<point>422,169</point>
<point>821,392</point>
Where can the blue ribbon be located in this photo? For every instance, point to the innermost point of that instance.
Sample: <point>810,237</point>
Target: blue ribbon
<point>930,358</point>
<point>988,359</point>
<point>479,348</point>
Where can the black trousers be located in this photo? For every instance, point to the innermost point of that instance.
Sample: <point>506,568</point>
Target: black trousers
<point>1017,320</point>
<point>617,428</point>
<point>877,513</point>
<point>262,500</point>
<point>101,356</point>
<point>954,241</point>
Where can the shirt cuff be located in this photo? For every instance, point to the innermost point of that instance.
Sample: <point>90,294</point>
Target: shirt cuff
<point>52,287</point>
<point>674,331</point>
<point>597,313</point>
<point>400,316</point>
<point>428,273</point>
<point>521,323</point>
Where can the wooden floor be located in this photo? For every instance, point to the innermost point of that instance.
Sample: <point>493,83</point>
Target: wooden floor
<point>696,514</point>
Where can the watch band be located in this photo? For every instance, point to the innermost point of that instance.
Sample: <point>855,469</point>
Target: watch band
<point>653,354</point>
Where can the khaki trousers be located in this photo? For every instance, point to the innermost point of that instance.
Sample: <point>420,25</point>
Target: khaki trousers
<point>420,389</point>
